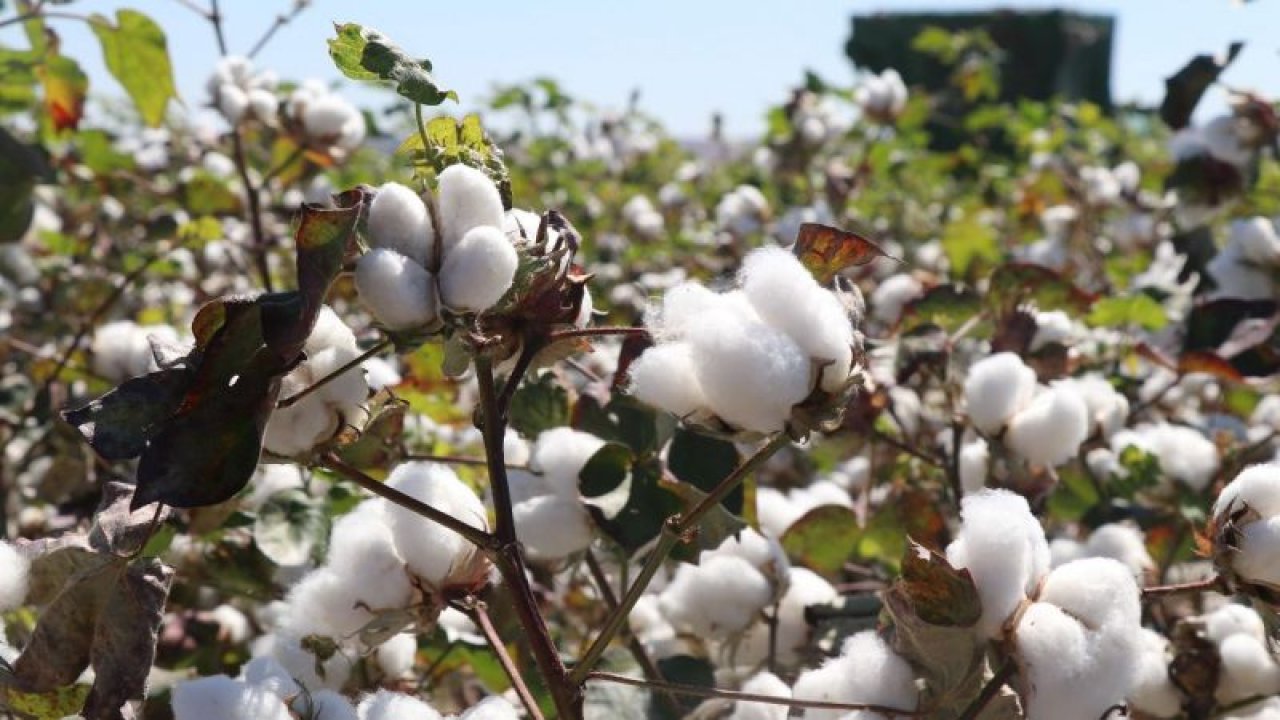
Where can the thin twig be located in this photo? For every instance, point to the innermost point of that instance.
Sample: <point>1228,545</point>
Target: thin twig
<point>475,536</point>
<point>280,21</point>
<point>903,447</point>
<point>695,691</point>
<point>354,362</point>
<point>1217,584</point>
<point>456,460</point>
<point>193,7</point>
<point>990,690</point>
<point>598,332</point>
<point>480,615</point>
<point>46,14</point>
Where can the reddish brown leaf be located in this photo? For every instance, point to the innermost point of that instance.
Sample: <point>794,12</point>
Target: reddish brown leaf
<point>1204,361</point>
<point>826,250</point>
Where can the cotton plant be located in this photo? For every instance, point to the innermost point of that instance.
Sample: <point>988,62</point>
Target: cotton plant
<point>882,97</point>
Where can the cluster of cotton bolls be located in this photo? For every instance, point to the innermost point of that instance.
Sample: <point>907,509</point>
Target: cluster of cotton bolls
<point>1248,668</point>
<point>742,211</point>
<point>1076,628</point>
<point>325,118</point>
<point>123,349</point>
<point>815,120</point>
<point>1184,453</point>
<point>382,557</point>
<point>264,690</point>
<point>413,268</point>
<point>882,97</point>
<point>295,429</point>
<point>747,356</point>
<point>1044,425</point>
<point>551,519</point>
<point>238,91</point>
<point>1246,266</point>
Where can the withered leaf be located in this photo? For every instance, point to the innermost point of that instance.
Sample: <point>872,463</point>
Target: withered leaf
<point>826,250</point>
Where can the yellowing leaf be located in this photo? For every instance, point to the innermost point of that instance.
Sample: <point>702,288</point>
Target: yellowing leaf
<point>65,87</point>
<point>137,54</point>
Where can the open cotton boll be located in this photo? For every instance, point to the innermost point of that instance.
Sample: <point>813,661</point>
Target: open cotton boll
<point>717,598</point>
<point>323,705</point>
<point>866,671</point>
<point>762,683</point>
<point>1052,327</point>
<point>1185,454</point>
<point>751,374</point>
<point>268,674</point>
<point>1048,431</point>
<point>363,552</point>
<point>559,454</point>
<point>1153,693</point>
<point>804,588</point>
<point>1257,239</point>
<point>264,105</point>
<point>680,310</point>
<point>893,294</point>
<point>1095,591</point>
<point>1108,409</point>
<point>468,199</point>
<point>664,377</point>
<point>1052,649</point>
<point>997,387</point>
<point>478,270</point>
<point>121,349</point>
<point>398,220</point>
<point>14,577</point>
<point>1064,550</point>
<point>787,297</point>
<point>432,551</point>
<point>552,527</point>
<point>293,430</point>
<point>232,103</point>
<point>325,604</point>
<point>491,708</point>
<point>396,656</point>
<point>332,118</point>
<point>1233,619</point>
<point>975,461</point>
<point>219,697</point>
<point>1258,555</point>
<point>1257,486</point>
<point>388,705</point>
<point>1123,543</point>
<point>330,332</point>
<point>1247,669</point>
<point>1003,546</point>
<point>399,292</point>
<point>344,391</point>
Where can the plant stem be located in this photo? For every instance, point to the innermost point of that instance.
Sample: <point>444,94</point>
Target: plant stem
<point>293,399</point>
<point>598,332</point>
<point>479,613</point>
<point>475,536</point>
<point>456,460</point>
<point>989,690</point>
<point>695,691</point>
<point>674,530</point>
<point>280,21</point>
<point>1217,583</point>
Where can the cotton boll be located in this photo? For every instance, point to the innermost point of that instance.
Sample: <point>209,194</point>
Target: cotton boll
<point>552,527</point>
<point>478,270</point>
<point>750,373</point>
<point>762,683</point>
<point>432,551</point>
<point>1052,327</point>
<point>491,708</point>
<point>264,105</point>
<point>268,480</point>
<point>680,310</point>
<point>1257,239</point>
<point>975,461</point>
<point>468,199</point>
<point>1257,486</point>
<point>219,697</point>
<point>268,674</point>
<point>388,705</point>
<point>867,671</point>
<point>1233,619</point>
<point>363,553</point>
<point>1185,454</point>
<point>1153,693</point>
<point>1064,550</point>
<point>559,454</point>
<point>344,391</point>
<point>1258,556</point>
<point>294,430</point>
<point>891,295</point>
<point>325,604</point>
<point>1108,409</point>
<point>400,293</point>
<point>330,332</point>
<point>1003,546</point>
<point>1052,649</point>
<point>775,512</point>
<point>717,598</point>
<point>331,118</point>
<point>120,350</point>
<point>14,577</point>
<point>323,705</point>
<point>997,387</point>
<point>233,626</point>
<point>1123,543</point>
<point>1096,591</point>
<point>1048,431</point>
<point>1247,669</point>
<point>515,449</point>
<point>396,656</point>
<point>804,588</point>
<point>398,220</point>
<point>664,377</point>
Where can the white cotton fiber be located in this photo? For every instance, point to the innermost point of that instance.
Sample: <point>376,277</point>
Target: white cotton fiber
<point>333,119</point>
<point>323,705</point>
<point>559,454</point>
<point>491,708</point>
<point>388,705</point>
<point>787,297</point>
<point>396,656</point>
<point>750,373</point>
<point>399,292</point>
<point>1095,591</point>
<point>1258,557</point>
<point>323,604</point>
<point>398,220</point>
<point>362,552</point>
<point>1153,693</point>
<point>975,461</point>
<point>219,697</point>
<point>718,598</point>
<point>343,391</point>
<point>432,551</point>
<point>1052,327</point>
<point>330,332</point>
<point>268,674</point>
<point>478,270</point>
<point>1185,454</point>
<point>1048,431</point>
<point>14,577</point>
<point>1257,486</point>
<point>468,199</point>
<point>552,527</point>
<point>1233,619</point>
<point>1052,649</point>
<point>804,588</point>
<point>1003,546</point>
<point>762,683</point>
<point>866,671</point>
<point>1247,669</point>
<point>680,310</point>
<point>892,295</point>
<point>1257,239</point>
<point>1123,543</point>
<point>997,387</point>
<point>665,378</point>
<point>1108,409</point>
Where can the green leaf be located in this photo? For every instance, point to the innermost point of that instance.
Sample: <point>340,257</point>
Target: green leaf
<point>682,670</point>
<point>368,55</point>
<point>703,461</point>
<point>450,142</point>
<point>946,306</point>
<point>1016,283</point>
<point>291,528</point>
<point>137,55</point>
<point>1127,310</point>
<point>968,241</point>
<point>647,507</point>
<point>539,405</point>
<point>605,471</point>
<point>823,539</point>
<point>21,167</point>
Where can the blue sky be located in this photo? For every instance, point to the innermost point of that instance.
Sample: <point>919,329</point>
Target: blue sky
<point>688,57</point>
